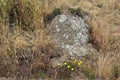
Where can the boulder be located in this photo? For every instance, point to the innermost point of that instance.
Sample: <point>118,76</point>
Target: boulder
<point>72,34</point>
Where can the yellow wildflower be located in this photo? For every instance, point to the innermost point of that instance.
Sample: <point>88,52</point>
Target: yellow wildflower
<point>72,69</point>
<point>68,66</point>
<point>79,63</point>
<point>65,63</point>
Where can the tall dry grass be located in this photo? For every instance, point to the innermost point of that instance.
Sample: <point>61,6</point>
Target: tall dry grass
<point>105,67</point>
<point>100,35</point>
<point>104,35</point>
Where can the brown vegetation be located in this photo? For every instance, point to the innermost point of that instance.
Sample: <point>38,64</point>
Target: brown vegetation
<point>30,15</point>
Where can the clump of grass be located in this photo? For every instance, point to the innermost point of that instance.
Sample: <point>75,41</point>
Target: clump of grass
<point>104,34</point>
<point>8,60</point>
<point>89,73</point>
<point>105,66</point>
<point>88,69</point>
<point>22,13</point>
<point>99,38</point>
<point>26,53</point>
<point>44,49</point>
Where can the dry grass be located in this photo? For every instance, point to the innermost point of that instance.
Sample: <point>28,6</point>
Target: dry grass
<point>105,36</point>
<point>108,66</point>
<point>20,45</point>
<point>105,67</point>
<point>100,35</point>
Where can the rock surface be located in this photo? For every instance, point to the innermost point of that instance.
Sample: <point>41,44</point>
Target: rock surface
<point>72,34</point>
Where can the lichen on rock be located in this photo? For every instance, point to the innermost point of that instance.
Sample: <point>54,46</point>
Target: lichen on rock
<point>72,34</point>
<point>62,18</point>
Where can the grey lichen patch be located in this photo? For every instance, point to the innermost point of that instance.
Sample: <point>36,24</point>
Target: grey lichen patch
<point>62,18</point>
<point>57,28</point>
<point>72,34</point>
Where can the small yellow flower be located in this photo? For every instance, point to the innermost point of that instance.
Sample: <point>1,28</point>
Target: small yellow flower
<point>72,69</point>
<point>68,66</point>
<point>79,63</point>
<point>65,63</point>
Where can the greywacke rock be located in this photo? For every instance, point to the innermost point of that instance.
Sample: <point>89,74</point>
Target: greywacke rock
<point>72,34</point>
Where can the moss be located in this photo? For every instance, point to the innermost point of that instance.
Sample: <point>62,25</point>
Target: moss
<point>76,11</point>
<point>57,11</point>
<point>49,17</point>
